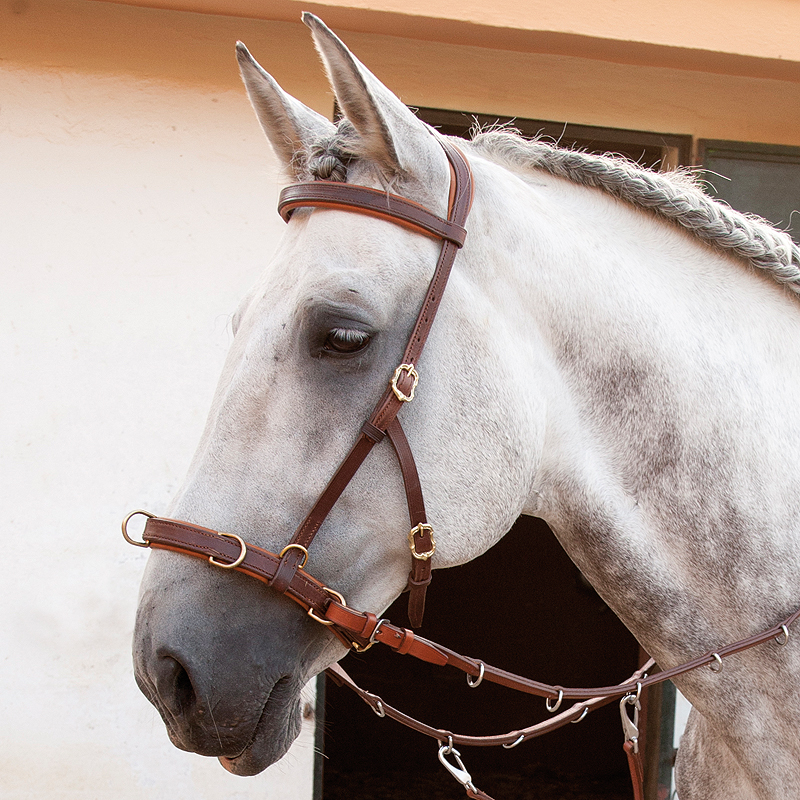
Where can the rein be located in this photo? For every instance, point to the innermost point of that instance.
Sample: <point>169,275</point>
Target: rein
<point>285,572</point>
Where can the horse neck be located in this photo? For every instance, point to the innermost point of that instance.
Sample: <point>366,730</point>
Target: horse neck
<point>665,366</point>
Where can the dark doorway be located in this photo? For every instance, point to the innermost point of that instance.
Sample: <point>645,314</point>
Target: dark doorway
<point>522,606</point>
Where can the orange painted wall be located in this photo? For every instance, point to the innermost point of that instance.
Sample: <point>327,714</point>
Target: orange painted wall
<point>750,91</point>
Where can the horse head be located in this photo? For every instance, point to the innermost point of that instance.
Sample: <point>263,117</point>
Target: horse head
<point>221,656</point>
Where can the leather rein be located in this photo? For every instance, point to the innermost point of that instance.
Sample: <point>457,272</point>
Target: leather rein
<point>285,572</point>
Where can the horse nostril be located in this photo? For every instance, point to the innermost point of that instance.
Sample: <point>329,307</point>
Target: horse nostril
<point>184,690</point>
<point>175,686</point>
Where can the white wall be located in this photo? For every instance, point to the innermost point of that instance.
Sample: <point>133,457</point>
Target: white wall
<point>133,215</point>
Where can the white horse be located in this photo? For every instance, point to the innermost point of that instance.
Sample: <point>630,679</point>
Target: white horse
<point>615,353</point>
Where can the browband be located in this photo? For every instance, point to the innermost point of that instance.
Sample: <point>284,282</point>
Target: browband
<point>384,205</point>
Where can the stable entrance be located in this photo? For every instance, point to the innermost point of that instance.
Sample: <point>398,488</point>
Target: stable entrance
<point>522,606</point>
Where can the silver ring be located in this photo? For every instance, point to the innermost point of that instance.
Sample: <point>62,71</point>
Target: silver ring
<point>375,632</point>
<point>514,744</point>
<point>476,683</point>
<point>632,699</point>
<point>716,664</point>
<point>785,633</point>
<point>582,716</point>
<point>557,704</point>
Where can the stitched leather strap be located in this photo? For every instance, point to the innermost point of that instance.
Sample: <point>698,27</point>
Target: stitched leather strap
<point>407,213</point>
<point>422,539</point>
<point>349,197</point>
<point>360,627</point>
<point>351,626</point>
<point>571,714</point>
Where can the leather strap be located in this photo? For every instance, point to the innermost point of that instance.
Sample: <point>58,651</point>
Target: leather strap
<point>574,713</point>
<point>349,197</point>
<point>421,534</point>
<point>362,627</point>
<point>285,574</point>
<point>636,769</point>
<point>476,794</point>
<point>451,231</point>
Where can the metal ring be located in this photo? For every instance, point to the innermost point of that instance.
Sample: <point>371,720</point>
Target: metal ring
<point>336,596</point>
<point>295,547</point>
<point>582,716</point>
<point>476,683</point>
<point>238,561</point>
<point>446,748</point>
<point>716,664</point>
<point>785,634</point>
<point>375,632</point>
<point>515,743</point>
<point>632,699</point>
<point>378,708</point>
<point>555,707</point>
<point>125,527</point>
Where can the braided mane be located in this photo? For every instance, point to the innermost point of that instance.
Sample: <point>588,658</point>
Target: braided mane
<point>674,195</point>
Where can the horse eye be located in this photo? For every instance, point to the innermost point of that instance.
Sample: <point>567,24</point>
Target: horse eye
<point>346,341</point>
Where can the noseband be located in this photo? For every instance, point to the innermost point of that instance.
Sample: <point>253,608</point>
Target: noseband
<point>285,572</point>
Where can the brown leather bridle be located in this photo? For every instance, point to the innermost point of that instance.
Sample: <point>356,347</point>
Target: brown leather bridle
<point>285,572</point>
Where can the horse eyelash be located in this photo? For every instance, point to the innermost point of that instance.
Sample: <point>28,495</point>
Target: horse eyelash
<point>349,336</point>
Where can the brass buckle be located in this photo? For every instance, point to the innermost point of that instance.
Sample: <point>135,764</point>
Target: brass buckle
<point>398,393</point>
<point>296,547</point>
<point>421,529</point>
<point>238,561</point>
<point>125,527</point>
<point>336,596</point>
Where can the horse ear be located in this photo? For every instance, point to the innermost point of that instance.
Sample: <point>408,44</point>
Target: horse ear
<point>291,126</point>
<point>389,131</point>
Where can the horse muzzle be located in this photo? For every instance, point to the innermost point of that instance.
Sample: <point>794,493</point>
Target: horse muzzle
<point>224,666</point>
